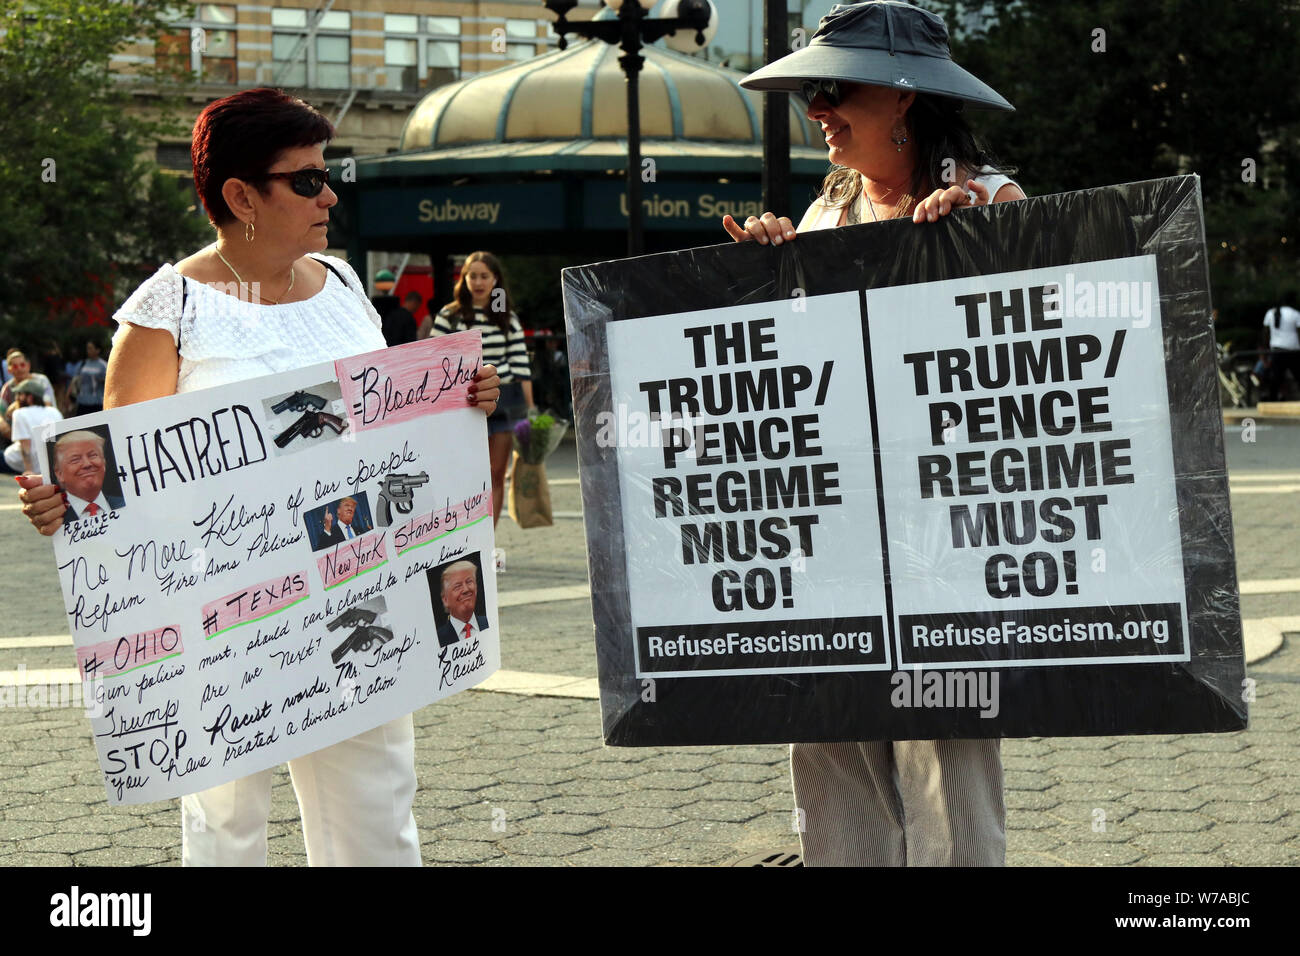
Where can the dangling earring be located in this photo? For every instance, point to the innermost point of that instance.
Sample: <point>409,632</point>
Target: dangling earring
<point>249,232</point>
<point>899,137</point>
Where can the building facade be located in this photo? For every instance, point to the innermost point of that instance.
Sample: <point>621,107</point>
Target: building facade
<point>368,64</point>
<point>364,63</point>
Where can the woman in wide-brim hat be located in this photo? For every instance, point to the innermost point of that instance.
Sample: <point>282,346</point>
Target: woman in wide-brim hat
<point>879,79</point>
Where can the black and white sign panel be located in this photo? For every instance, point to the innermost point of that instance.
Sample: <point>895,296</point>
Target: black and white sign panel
<point>745,487</point>
<point>907,481</point>
<point>1030,453</point>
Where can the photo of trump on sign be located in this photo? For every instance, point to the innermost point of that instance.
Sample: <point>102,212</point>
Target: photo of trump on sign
<point>80,464</point>
<point>456,602</point>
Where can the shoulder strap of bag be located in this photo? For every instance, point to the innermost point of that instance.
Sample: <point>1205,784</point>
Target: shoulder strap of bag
<point>359,293</point>
<point>180,322</point>
<point>332,269</point>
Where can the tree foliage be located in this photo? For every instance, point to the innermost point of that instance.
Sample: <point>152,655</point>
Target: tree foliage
<point>84,210</point>
<point>1111,91</point>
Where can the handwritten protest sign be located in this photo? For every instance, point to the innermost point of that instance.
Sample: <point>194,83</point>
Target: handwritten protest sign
<point>256,571</point>
<point>903,481</point>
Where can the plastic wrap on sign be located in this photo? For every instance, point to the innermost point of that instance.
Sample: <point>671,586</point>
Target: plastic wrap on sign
<point>899,481</point>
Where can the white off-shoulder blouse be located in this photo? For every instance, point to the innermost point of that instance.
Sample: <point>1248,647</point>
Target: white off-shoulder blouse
<point>223,339</point>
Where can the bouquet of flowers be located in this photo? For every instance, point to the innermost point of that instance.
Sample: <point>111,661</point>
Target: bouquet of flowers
<point>537,436</point>
<point>529,500</point>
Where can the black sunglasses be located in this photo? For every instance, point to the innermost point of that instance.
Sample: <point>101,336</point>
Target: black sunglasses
<point>830,89</point>
<point>305,182</point>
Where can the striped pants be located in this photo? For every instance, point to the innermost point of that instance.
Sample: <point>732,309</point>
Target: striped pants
<point>900,803</point>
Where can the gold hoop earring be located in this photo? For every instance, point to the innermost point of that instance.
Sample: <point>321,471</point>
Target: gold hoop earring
<point>249,232</point>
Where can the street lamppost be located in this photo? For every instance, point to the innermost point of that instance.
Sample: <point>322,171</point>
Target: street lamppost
<point>631,30</point>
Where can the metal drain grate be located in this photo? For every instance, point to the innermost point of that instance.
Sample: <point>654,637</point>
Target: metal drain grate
<point>790,856</point>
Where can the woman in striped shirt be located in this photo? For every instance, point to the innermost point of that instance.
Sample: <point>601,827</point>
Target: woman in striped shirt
<point>482,302</point>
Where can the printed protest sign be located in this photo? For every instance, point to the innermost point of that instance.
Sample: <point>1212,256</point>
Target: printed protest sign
<point>908,481</point>
<point>1035,439</point>
<point>745,487</point>
<point>256,571</point>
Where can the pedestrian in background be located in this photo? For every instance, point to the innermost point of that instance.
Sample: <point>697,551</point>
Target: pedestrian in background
<point>86,384</point>
<point>399,321</point>
<point>20,370</point>
<point>482,302</point>
<point>29,415</point>
<point>55,364</point>
<point>1281,336</point>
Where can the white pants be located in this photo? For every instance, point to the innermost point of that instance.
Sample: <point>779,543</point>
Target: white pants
<point>901,803</point>
<point>14,457</point>
<point>355,798</point>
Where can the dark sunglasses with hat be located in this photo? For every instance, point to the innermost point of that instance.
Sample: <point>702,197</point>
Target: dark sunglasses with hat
<point>879,43</point>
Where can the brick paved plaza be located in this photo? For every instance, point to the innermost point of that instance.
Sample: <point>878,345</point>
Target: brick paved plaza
<point>523,778</point>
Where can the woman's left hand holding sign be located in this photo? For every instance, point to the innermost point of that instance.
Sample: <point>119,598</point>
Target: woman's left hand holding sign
<point>485,389</point>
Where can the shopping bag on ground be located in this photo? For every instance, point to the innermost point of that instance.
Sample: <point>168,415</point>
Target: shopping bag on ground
<point>530,497</point>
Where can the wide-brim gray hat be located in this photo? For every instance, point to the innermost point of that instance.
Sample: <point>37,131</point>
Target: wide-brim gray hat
<point>881,43</point>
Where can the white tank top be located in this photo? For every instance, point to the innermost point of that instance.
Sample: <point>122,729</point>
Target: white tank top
<point>821,216</point>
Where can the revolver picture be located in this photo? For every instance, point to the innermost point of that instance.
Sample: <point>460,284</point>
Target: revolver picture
<point>397,492</point>
<point>364,635</point>
<point>310,425</point>
<point>299,402</point>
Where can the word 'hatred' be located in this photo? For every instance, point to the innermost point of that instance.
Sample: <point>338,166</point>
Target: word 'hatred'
<point>196,448</point>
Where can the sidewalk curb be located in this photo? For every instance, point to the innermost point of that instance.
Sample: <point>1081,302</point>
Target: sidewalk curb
<point>1235,416</point>
<point>1262,637</point>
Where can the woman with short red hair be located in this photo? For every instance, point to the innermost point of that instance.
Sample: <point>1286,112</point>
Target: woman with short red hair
<point>261,300</point>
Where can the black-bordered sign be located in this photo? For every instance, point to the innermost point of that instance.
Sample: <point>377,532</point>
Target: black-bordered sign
<point>961,479</point>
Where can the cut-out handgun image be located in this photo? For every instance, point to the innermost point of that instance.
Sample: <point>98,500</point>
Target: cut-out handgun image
<point>364,635</point>
<point>310,425</point>
<point>397,492</point>
<point>299,402</point>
